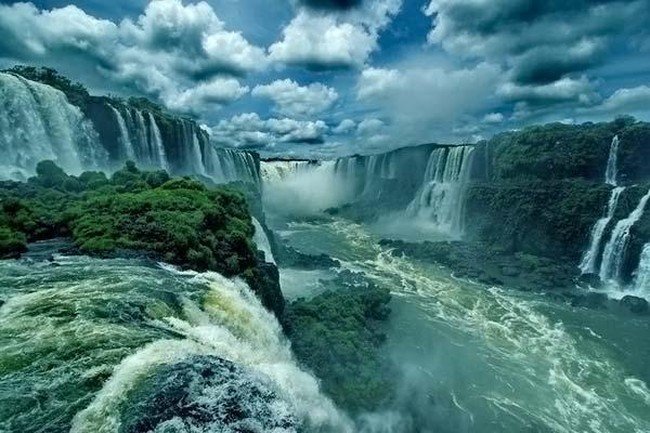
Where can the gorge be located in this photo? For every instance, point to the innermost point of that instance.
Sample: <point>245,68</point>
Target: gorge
<point>156,282</point>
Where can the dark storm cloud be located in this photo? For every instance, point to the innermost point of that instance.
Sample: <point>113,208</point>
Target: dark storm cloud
<point>331,4</point>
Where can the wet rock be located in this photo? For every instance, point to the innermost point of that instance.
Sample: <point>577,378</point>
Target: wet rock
<point>591,280</point>
<point>634,304</point>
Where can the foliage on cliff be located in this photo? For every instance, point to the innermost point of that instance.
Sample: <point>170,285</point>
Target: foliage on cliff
<point>178,220</point>
<point>561,151</point>
<point>551,218</point>
<point>337,335</point>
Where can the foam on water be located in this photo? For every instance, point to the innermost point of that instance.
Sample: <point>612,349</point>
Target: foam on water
<point>543,374</point>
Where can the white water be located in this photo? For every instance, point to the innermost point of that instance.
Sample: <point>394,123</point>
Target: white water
<point>614,252</point>
<point>125,139</point>
<point>274,171</point>
<point>590,258</point>
<point>262,241</point>
<point>611,173</point>
<point>37,122</point>
<point>233,325</point>
<point>642,280</point>
<point>441,197</point>
<point>156,139</point>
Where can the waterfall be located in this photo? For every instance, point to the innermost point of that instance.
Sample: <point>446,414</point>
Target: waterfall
<point>611,173</point>
<point>125,140</point>
<point>614,252</point>
<point>642,280</point>
<point>590,258</point>
<point>441,198</point>
<point>272,171</point>
<point>156,139</point>
<point>262,241</point>
<point>37,122</point>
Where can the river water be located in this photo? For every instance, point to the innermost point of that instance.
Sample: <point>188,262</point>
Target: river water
<point>480,359</point>
<point>93,345</point>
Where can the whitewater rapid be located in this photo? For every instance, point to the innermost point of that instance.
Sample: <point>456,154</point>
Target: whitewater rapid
<point>88,333</point>
<point>493,360</point>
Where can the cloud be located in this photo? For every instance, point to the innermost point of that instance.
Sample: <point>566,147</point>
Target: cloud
<point>319,41</point>
<point>580,91</point>
<point>540,42</point>
<point>346,126</point>
<point>249,130</point>
<point>178,54</point>
<point>634,100</point>
<point>294,100</point>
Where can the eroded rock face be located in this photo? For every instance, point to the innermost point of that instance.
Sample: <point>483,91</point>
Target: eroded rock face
<point>206,394</point>
<point>635,304</point>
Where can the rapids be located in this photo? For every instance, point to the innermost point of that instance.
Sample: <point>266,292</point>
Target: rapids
<point>89,342</point>
<point>474,358</point>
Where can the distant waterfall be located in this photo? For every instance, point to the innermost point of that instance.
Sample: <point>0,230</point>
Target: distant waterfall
<point>124,139</point>
<point>441,197</point>
<point>611,173</point>
<point>272,171</point>
<point>378,167</point>
<point>614,252</point>
<point>590,258</point>
<point>262,241</point>
<point>642,280</point>
<point>37,122</point>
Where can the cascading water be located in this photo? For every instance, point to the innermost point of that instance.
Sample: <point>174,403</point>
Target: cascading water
<point>37,122</point>
<point>615,249</point>
<point>96,346</point>
<point>156,139</point>
<point>642,280</point>
<point>441,198</point>
<point>611,173</point>
<point>125,139</point>
<point>262,241</point>
<point>590,258</point>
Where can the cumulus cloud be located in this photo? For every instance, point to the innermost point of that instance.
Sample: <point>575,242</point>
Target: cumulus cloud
<point>294,100</point>
<point>320,41</point>
<point>179,54</point>
<point>249,130</point>
<point>346,126</point>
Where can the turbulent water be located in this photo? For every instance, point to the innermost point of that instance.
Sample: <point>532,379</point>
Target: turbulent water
<point>614,250</point>
<point>479,359</point>
<point>36,123</point>
<point>440,199</point>
<point>94,346</point>
<point>590,258</point>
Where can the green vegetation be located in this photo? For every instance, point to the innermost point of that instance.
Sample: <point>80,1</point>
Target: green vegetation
<point>178,220</point>
<point>75,92</point>
<point>337,335</point>
<point>552,218</point>
<point>560,151</point>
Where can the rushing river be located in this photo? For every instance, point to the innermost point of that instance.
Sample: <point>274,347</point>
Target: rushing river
<point>99,346</point>
<point>93,345</point>
<point>481,359</point>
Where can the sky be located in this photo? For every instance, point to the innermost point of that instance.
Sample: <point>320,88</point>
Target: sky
<point>325,78</point>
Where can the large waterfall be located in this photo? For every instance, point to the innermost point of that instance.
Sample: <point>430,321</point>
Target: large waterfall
<point>590,257</point>
<point>441,197</point>
<point>37,122</point>
<point>615,249</point>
